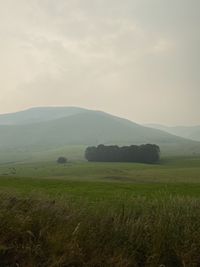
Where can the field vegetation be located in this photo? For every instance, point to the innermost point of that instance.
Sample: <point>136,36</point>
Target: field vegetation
<point>100,214</point>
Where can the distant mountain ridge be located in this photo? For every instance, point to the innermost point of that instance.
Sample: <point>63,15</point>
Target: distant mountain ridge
<point>53,128</point>
<point>189,132</point>
<point>38,114</point>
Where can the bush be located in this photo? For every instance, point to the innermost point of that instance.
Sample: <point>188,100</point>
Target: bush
<point>62,160</point>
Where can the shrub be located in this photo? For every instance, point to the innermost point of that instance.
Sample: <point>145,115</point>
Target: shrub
<point>62,160</point>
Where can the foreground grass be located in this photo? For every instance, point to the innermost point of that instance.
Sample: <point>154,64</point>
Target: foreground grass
<point>96,215</point>
<point>46,233</point>
<point>94,191</point>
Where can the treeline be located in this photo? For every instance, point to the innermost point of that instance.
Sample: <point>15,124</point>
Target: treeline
<point>148,153</point>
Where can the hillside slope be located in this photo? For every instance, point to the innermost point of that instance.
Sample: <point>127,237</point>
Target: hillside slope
<point>189,132</point>
<point>89,128</point>
<point>38,114</point>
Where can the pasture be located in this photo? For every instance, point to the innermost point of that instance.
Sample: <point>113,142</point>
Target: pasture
<point>100,214</point>
<point>173,176</point>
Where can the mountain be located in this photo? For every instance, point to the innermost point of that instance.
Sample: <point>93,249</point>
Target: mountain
<point>38,114</point>
<point>52,129</point>
<point>189,132</point>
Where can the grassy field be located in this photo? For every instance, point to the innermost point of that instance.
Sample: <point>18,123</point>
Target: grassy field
<point>40,154</point>
<point>100,214</point>
<point>174,176</point>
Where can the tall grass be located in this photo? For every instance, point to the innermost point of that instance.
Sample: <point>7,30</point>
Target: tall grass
<point>44,233</point>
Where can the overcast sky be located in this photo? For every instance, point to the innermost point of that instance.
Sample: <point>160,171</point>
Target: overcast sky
<point>138,59</point>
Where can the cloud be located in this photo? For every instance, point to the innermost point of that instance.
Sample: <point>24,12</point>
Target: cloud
<point>130,58</point>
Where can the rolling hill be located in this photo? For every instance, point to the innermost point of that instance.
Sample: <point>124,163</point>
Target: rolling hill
<point>35,115</point>
<point>189,132</point>
<point>46,130</point>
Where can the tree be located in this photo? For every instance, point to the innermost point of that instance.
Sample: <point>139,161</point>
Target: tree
<point>148,153</point>
<point>62,160</point>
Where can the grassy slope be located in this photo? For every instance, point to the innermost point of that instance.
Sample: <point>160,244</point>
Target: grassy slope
<point>86,128</point>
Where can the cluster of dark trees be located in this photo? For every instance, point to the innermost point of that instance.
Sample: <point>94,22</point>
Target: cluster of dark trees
<point>148,153</point>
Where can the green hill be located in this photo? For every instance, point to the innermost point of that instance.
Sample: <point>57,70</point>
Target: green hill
<point>73,127</point>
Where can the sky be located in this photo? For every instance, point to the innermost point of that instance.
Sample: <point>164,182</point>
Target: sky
<point>138,59</point>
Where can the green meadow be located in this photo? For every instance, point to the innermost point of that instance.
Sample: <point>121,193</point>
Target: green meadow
<point>173,176</point>
<point>100,214</point>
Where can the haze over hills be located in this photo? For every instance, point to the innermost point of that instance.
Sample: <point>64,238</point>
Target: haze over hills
<point>38,114</point>
<point>189,132</point>
<point>52,129</point>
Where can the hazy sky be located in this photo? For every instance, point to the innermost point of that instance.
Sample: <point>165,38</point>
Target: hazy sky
<point>138,59</point>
